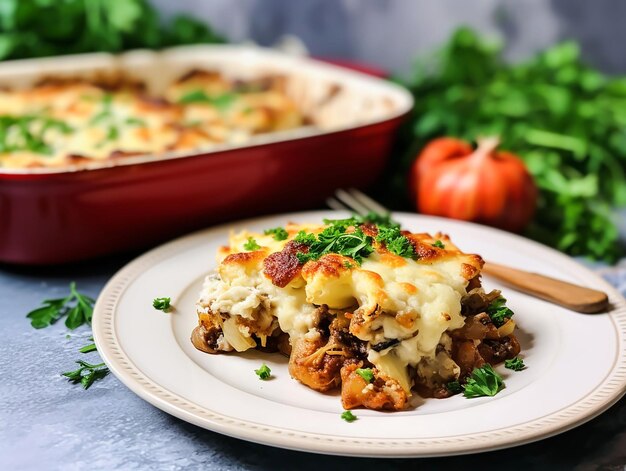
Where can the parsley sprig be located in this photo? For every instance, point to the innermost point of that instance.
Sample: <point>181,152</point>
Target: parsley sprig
<point>366,373</point>
<point>162,304</point>
<point>395,242</point>
<point>348,416</point>
<point>279,233</point>
<point>87,373</point>
<point>515,364</point>
<point>498,311</point>
<point>439,244</point>
<point>76,306</point>
<point>251,244</point>
<point>335,239</point>
<point>484,381</point>
<point>264,372</point>
<point>454,387</point>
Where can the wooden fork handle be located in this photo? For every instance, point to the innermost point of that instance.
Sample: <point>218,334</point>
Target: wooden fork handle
<point>574,297</point>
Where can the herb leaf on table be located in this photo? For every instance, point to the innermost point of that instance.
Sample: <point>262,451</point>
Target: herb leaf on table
<point>76,306</point>
<point>87,373</point>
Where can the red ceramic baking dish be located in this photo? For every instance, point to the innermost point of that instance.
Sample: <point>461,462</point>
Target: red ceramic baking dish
<point>50,216</point>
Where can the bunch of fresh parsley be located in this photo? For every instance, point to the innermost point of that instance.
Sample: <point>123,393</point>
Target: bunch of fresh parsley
<point>37,28</point>
<point>565,119</point>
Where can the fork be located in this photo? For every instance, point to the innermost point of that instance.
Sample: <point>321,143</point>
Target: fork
<point>575,297</point>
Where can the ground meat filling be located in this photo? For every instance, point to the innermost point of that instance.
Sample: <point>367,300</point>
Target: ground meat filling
<point>329,356</point>
<point>479,341</point>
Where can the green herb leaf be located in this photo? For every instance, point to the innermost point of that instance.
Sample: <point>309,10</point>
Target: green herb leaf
<point>439,244</point>
<point>335,239</point>
<point>366,373</point>
<point>162,304</point>
<point>264,372</point>
<point>348,416</point>
<point>484,381</point>
<point>304,238</point>
<point>29,133</point>
<point>87,373</point>
<point>88,348</point>
<point>515,364</point>
<point>395,242</point>
<point>135,122</point>
<point>454,387</point>
<point>251,245</point>
<point>279,233</point>
<point>221,102</point>
<point>76,306</point>
<point>498,311</point>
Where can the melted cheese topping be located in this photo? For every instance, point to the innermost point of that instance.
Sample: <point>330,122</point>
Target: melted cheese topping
<point>58,124</point>
<point>389,297</point>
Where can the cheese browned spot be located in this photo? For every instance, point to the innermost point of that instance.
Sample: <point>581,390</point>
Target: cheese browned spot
<point>281,267</point>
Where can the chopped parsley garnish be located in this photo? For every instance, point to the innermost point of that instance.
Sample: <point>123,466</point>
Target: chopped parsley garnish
<point>366,373</point>
<point>221,102</point>
<point>28,133</point>
<point>454,387</point>
<point>162,304</point>
<point>251,245</point>
<point>498,311</point>
<point>516,364</point>
<point>264,372</point>
<point>348,416</point>
<point>78,308</point>
<point>87,373</point>
<point>135,121</point>
<point>395,242</point>
<point>381,220</point>
<point>335,239</point>
<point>439,244</point>
<point>279,233</point>
<point>348,265</point>
<point>113,133</point>
<point>484,381</point>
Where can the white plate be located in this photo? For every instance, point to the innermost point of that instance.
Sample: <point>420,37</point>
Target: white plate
<point>576,362</point>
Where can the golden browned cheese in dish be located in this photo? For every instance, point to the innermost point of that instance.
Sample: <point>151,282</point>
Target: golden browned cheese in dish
<point>58,123</point>
<point>356,304</point>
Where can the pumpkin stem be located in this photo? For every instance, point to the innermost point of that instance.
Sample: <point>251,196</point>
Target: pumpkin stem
<point>486,146</point>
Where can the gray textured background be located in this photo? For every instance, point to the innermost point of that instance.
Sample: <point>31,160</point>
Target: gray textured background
<point>390,33</point>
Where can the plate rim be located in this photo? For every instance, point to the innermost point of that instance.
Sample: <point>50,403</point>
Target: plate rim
<point>604,395</point>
